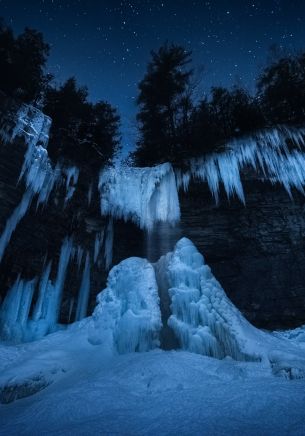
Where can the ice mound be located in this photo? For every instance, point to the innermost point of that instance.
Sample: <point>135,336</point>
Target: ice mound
<point>206,322</point>
<point>203,318</point>
<point>143,195</point>
<point>127,317</point>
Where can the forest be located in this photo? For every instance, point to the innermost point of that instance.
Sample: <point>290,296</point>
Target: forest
<point>172,125</point>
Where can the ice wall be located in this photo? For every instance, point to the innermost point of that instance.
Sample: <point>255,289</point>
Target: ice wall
<point>277,155</point>
<point>143,195</point>
<point>127,317</point>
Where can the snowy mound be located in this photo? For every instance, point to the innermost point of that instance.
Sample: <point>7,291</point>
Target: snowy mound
<point>143,195</point>
<point>276,154</point>
<point>128,317</point>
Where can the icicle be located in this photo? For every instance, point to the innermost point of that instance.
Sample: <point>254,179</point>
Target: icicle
<point>15,310</point>
<point>99,237</point>
<point>84,291</point>
<point>72,174</point>
<point>89,195</point>
<point>143,195</point>
<point>71,309</point>
<point>14,219</point>
<point>41,307</point>
<point>265,151</point>
<point>108,244</point>
<point>55,301</point>
<point>79,256</point>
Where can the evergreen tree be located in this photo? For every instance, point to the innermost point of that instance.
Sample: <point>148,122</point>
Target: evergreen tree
<point>165,106</point>
<point>83,133</point>
<point>281,89</point>
<point>22,64</point>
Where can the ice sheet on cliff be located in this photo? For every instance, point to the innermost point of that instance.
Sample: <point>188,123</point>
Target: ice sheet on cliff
<point>143,195</point>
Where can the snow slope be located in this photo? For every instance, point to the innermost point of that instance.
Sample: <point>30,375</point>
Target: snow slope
<point>158,392</point>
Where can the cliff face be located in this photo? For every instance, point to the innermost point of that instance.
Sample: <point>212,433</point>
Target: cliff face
<point>256,251</point>
<point>38,237</point>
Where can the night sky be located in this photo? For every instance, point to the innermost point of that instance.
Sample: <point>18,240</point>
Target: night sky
<point>106,44</point>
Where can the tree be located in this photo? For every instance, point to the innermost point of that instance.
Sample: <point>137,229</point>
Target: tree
<point>164,106</point>
<point>226,115</point>
<point>22,64</point>
<point>281,90</point>
<point>82,132</point>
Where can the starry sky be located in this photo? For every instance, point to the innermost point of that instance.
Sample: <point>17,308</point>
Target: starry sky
<point>106,44</point>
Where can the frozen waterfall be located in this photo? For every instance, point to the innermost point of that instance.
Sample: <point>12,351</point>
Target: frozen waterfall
<point>143,195</point>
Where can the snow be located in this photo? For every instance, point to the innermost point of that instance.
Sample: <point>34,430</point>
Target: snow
<point>143,195</point>
<point>82,392</point>
<point>127,317</point>
<point>277,154</point>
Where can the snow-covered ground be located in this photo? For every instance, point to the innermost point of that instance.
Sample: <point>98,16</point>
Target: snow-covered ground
<point>88,379</point>
<point>152,393</point>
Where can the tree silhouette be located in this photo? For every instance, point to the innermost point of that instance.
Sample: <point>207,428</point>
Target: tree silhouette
<point>22,64</point>
<point>82,132</point>
<point>164,106</point>
<point>281,89</point>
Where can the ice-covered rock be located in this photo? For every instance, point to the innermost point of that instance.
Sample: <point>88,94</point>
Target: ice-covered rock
<point>127,317</point>
<point>143,195</point>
